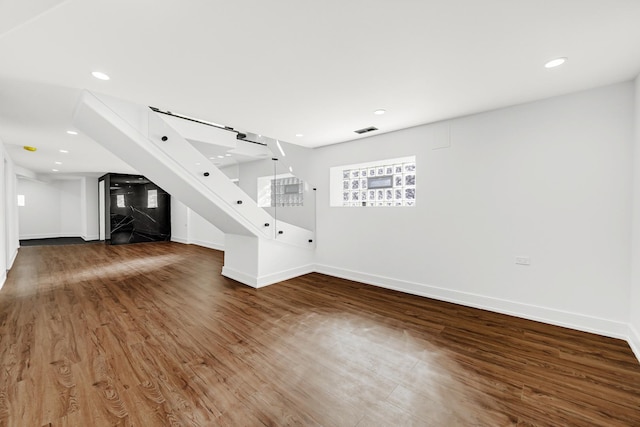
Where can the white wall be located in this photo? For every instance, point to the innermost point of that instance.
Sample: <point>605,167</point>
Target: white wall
<point>89,203</point>
<point>54,209</point>
<point>179,221</point>
<point>634,297</point>
<point>12,242</point>
<point>189,227</point>
<point>203,233</point>
<point>3,216</point>
<point>8,214</point>
<point>40,217</point>
<point>71,209</point>
<point>550,180</point>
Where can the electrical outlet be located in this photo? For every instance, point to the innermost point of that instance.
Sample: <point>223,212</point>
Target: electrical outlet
<point>523,260</point>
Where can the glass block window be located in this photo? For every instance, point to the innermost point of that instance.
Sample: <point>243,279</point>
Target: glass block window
<point>280,191</point>
<point>384,183</point>
<point>286,192</point>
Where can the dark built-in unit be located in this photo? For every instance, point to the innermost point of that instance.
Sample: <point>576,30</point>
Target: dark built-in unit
<point>135,210</point>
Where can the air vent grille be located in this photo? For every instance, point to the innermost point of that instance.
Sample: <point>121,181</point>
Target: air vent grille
<point>365,130</point>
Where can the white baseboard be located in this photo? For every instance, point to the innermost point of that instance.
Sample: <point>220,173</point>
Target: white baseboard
<point>90,238</point>
<point>210,245</point>
<point>266,280</point>
<point>634,341</point>
<point>42,236</point>
<point>280,276</point>
<point>203,243</point>
<point>3,278</point>
<point>541,314</point>
<point>56,235</point>
<point>12,259</point>
<point>239,276</point>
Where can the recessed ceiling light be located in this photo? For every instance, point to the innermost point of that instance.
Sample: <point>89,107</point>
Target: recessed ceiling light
<point>197,163</point>
<point>290,169</point>
<point>227,155</point>
<point>55,170</point>
<point>379,112</point>
<point>299,135</point>
<point>220,157</point>
<point>555,62</point>
<point>100,75</point>
<point>64,151</point>
<point>72,132</point>
<point>58,163</point>
<point>212,158</point>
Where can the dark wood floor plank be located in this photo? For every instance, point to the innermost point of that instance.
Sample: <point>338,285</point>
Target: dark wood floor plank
<point>151,334</point>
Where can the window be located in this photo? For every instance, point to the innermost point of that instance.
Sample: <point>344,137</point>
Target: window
<point>20,199</point>
<point>282,191</point>
<point>120,200</point>
<point>152,198</point>
<point>286,192</point>
<point>390,182</point>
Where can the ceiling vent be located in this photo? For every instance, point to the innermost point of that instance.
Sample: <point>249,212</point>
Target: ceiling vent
<point>365,130</point>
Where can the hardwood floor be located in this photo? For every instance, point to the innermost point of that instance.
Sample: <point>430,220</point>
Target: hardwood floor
<point>152,335</point>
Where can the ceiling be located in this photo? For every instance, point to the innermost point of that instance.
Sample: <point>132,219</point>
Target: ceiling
<point>287,67</point>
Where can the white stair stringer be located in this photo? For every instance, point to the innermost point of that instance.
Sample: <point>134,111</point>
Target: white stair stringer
<point>255,254</point>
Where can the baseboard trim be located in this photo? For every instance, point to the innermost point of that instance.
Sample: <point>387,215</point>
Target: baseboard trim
<point>203,243</point>
<point>58,235</point>
<point>3,278</point>
<point>12,260</point>
<point>634,341</point>
<point>46,236</point>
<point>268,279</point>
<point>210,245</point>
<point>540,314</point>
<point>281,276</point>
<point>239,276</point>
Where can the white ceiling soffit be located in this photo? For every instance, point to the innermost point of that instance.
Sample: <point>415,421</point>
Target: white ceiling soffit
<point>15,13</point>
<point>39,115</point>
<point>320,69</point>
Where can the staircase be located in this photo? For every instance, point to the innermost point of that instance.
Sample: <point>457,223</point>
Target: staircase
<point>258,250</point>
